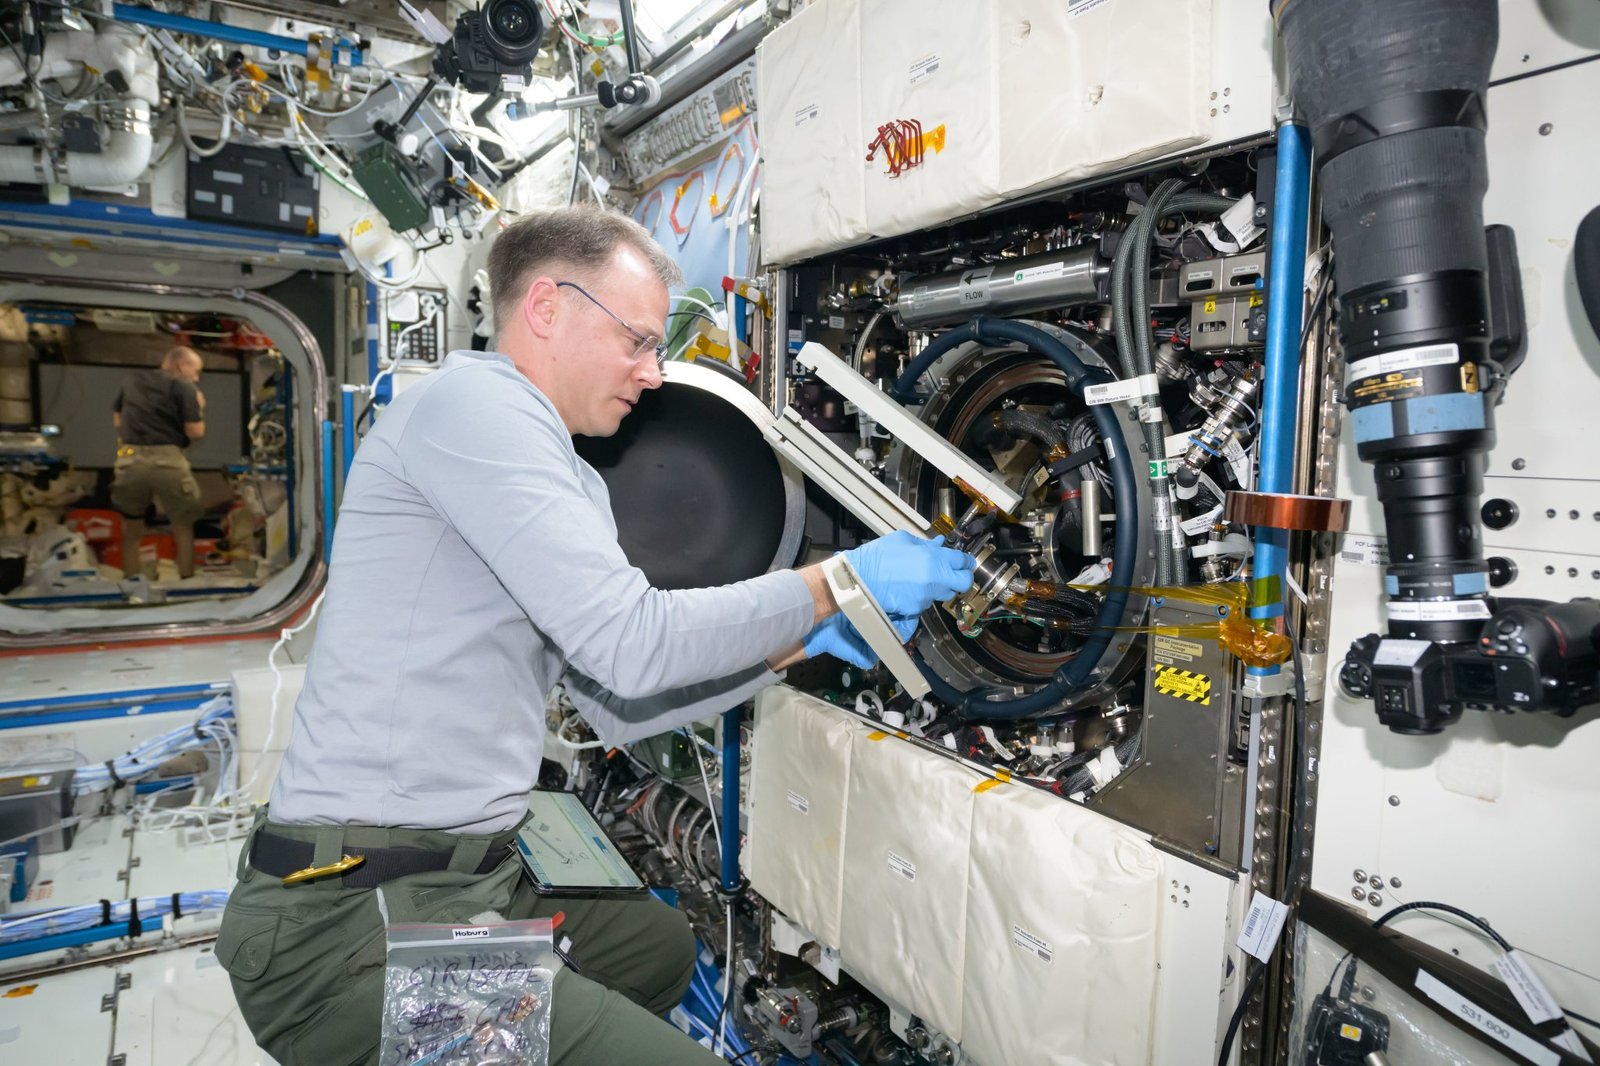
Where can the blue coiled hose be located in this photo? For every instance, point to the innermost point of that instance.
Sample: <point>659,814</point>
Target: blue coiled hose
<point>996,703</point>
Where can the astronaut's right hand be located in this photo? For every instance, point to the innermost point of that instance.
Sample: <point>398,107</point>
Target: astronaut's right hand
<point>907,574</point>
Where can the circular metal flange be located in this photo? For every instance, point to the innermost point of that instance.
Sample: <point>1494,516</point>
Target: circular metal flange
<point>969,382</point>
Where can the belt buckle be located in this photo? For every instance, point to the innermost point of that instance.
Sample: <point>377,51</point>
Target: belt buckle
<point>313,873</point>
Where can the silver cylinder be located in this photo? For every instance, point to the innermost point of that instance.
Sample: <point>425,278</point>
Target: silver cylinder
<point>1060,278</point>
<point>1089,511</point>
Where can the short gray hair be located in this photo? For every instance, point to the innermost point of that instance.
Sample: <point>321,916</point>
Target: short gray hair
<point>580,239</point>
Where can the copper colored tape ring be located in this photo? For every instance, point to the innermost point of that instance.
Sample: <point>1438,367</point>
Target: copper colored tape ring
<point>1316,514</point>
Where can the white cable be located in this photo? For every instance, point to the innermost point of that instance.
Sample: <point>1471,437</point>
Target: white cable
<point>243,791</point>
<point>181,114</point>
<point>295,102</point>
<point>599,198</point>
<point>709,307</point>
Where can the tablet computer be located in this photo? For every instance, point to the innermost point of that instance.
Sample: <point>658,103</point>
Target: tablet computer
<point>565,852</point>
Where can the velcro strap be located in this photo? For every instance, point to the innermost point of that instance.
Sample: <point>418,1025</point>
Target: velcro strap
<point>1065,466</point>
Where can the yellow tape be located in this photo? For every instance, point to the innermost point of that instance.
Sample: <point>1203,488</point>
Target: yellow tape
<point>877,734</point>
<point>984,786</point>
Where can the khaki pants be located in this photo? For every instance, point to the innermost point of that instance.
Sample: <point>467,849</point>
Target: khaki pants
<point>307,961</point>
<point>155,471</point>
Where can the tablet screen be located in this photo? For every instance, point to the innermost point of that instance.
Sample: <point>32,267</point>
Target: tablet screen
<point>565,849</point>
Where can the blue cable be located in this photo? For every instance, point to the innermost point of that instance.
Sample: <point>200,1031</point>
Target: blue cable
<point>215,718</point>
<point>53,921</point>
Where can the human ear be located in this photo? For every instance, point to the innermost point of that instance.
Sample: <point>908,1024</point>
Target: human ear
<point>540,306</point>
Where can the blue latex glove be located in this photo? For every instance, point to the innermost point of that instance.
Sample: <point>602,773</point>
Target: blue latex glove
<point>907,574</point>
<point>837,637</point>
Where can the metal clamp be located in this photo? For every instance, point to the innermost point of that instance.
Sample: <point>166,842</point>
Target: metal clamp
<point>313,873</point>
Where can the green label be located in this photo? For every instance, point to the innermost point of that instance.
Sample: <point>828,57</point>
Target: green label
<point>1158,467</point>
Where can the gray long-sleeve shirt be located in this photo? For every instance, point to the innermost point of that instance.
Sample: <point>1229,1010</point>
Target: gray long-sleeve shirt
<point>475,565</point>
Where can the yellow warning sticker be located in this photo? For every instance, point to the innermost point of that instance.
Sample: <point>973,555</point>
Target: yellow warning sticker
<point>1469,377</point>
<point>1211,306</point>
<point>1171,650</point>
<point>1183,684</point>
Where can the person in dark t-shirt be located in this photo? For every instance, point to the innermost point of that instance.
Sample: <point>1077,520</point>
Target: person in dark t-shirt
<point>157,414</point>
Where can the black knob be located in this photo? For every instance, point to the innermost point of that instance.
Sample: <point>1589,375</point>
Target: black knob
<point>1502,571</point>
<point>1498,514</point>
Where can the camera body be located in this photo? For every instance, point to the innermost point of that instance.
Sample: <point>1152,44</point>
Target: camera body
<point>496,42</point>
<point>1530,655</point>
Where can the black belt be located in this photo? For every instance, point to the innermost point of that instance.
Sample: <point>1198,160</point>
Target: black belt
<point>282,856</point>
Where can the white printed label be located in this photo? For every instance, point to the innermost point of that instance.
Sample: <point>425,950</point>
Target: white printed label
<point>1399,652</point>
<point>1369,551</point>
<point>1083,7</point>
<point>1262,926</point>
<point>1177,444</point>
<point>1238,460</point>
<point>799,803</point>
<point>1122,391</point>
<point>1033,945</point>
<point>1437,610</point>
<point>1240,220</point>
<point>475,933</point>
<point>926,67</point>
<point>836,322</point>
<point>805,114</point>
<point>1035,273</point>
<point>974,286</point>
<point>1482,1020</point>
<point>1202,523</point>
<point>903,866</point>
<point>1537,1002</point>
<point>1405,359</point>
<point>229,177</point>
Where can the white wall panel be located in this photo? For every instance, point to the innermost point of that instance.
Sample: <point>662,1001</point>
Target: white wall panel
<point>937,68</point>
<point>908,823</point>
<point>1106,101</point>
<point>808,82</point>
<point>799,774</point>
<point>1494,814</point>
<point>1063,924</point>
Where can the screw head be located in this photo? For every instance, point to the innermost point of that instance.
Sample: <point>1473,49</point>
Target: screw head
<point>1544,130</point>
<point>1394,801</point>
<point>1572,571</point>
<point>1375,881</point>
<point>1394,882</point>
<point>1375,899</point>
<point>1519,464</point>
<point>1361,875</point>
<point>1359,892</point>
<point>1550,512</point>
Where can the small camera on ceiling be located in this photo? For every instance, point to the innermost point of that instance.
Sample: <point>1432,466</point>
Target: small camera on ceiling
<point>497,41</point>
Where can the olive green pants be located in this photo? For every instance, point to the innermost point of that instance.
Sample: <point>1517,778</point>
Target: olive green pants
<point>307,961</point>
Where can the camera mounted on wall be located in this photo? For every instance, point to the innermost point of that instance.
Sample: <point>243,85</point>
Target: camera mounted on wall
<point>490,46</point>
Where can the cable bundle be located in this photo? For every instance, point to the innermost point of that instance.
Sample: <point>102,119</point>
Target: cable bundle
<point>35,925</point>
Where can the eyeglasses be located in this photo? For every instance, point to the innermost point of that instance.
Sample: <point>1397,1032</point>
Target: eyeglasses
<point>646,342</point>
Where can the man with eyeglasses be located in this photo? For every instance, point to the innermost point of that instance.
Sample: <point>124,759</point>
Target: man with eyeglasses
<point>475,566</point>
